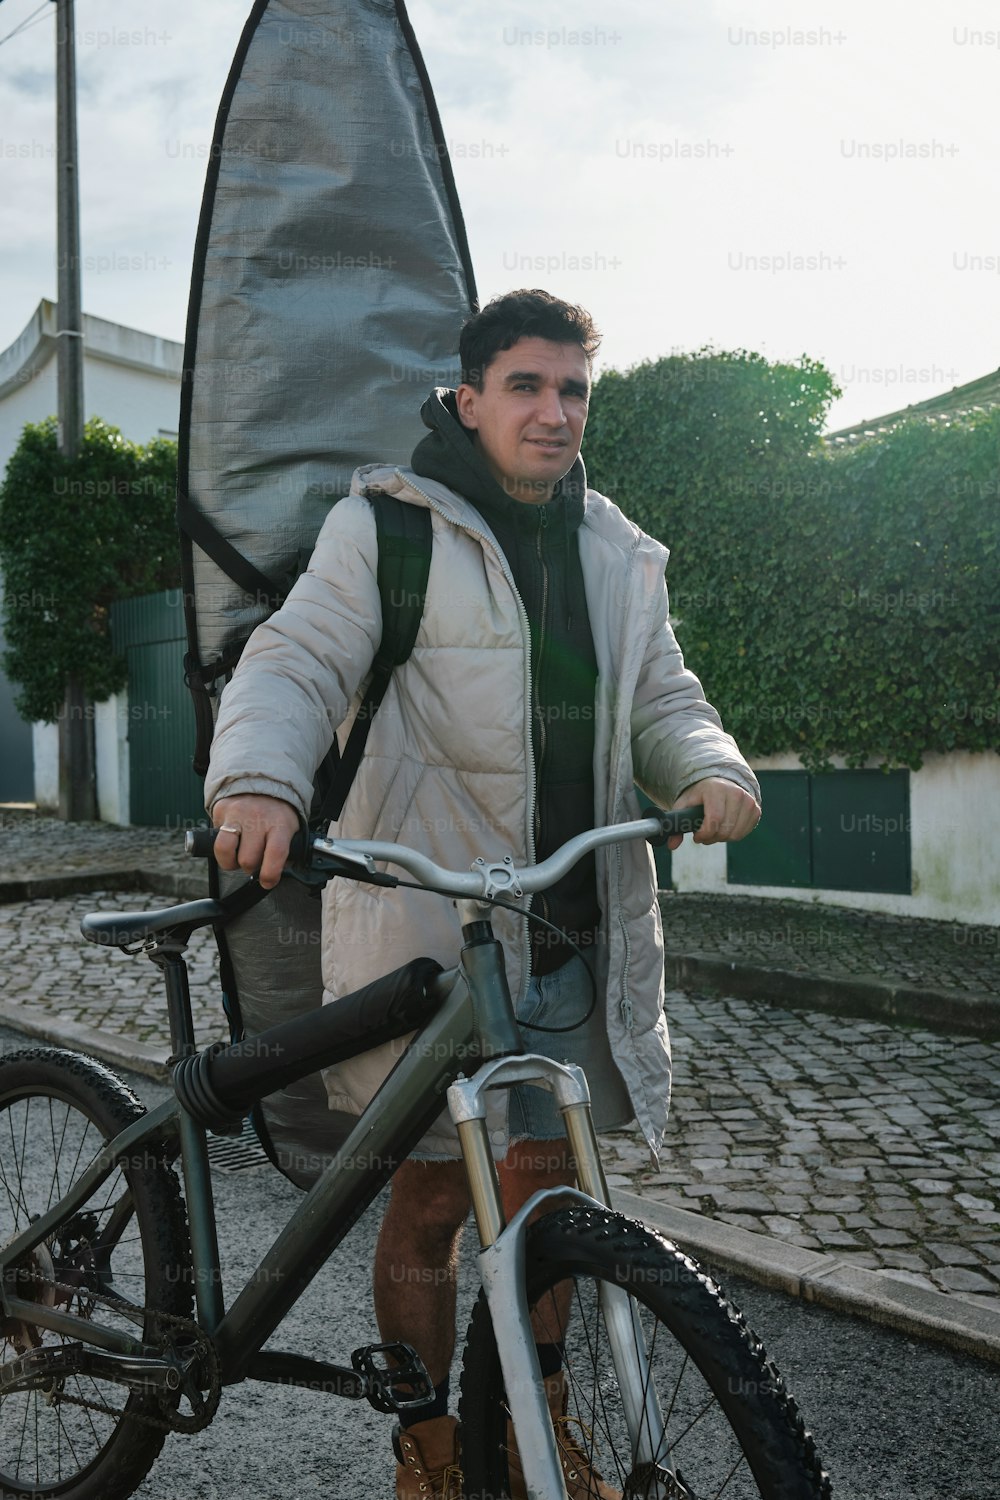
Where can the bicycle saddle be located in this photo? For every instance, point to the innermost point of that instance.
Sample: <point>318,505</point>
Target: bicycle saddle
<point>114,928</point>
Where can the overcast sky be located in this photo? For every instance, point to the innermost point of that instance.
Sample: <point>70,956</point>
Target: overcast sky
<point>781,176</point>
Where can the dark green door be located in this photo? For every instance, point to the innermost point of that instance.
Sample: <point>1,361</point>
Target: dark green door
<point>164,792</point>
<point>831,830</point>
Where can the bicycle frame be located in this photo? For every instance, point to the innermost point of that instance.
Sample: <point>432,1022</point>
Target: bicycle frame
<point>474,1022</point>
<point>410,1099</point>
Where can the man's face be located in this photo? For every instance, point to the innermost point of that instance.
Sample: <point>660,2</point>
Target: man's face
<point>529,417</point>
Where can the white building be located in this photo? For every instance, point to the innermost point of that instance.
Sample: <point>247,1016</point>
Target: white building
<point>133,381</point>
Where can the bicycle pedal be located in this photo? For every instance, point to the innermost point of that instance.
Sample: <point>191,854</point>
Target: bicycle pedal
<point>396,1387</point>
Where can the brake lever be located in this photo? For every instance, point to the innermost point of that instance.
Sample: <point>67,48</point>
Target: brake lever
<point>349,864</point>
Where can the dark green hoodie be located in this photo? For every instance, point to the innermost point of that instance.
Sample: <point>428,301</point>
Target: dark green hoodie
<point>540,545</point>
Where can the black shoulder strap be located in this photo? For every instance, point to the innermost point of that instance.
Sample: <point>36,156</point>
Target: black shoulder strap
<point>225,556</point>
<point>201,676</point>
<point>404,562</point>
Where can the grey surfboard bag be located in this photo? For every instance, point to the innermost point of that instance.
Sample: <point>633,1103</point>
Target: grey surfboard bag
<point>331,277</point>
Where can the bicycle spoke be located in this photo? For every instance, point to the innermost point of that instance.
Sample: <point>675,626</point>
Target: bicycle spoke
<point>19,1201</point>
<point>725,1483</point>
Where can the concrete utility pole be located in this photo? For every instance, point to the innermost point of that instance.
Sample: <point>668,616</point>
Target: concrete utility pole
<point>77,801</point>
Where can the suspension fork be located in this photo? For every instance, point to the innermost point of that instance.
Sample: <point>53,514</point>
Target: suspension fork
<point>502,1268</point>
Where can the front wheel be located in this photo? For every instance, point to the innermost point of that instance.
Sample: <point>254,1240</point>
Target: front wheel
<point>729,1427</point>
<point>121,1255</point>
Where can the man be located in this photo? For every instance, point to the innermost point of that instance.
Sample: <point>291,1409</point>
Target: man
<point>544,681</point>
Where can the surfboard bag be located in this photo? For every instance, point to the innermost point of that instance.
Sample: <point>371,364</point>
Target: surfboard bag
<point>331,277</point>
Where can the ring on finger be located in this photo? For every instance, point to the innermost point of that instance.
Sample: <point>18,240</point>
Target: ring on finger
<point>230,828</point>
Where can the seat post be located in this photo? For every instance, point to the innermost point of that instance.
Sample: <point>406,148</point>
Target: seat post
<point>168,956</point>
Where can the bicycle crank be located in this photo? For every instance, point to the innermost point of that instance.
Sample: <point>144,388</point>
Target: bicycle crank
<point>40,1369</point>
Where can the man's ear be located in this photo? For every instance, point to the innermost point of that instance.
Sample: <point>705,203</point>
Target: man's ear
<point>465,405</point>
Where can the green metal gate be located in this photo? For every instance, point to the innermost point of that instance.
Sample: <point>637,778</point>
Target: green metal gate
<point>164,792</point>
<point>833,830</point>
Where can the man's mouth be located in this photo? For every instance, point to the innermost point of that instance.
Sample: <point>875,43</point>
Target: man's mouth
<point>552,444</point>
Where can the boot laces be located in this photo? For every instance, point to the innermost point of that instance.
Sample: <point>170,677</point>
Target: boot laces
<point>452,1479</point>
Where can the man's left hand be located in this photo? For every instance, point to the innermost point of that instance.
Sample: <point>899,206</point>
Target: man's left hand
<point>730,812</point>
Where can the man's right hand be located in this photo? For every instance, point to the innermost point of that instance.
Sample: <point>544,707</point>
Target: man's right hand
<point>254,835</point>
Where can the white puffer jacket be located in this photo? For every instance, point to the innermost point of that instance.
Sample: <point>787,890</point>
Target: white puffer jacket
<point>448,765</point>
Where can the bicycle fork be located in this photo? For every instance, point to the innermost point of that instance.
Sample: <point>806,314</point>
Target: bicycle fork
<point>502,1268</point>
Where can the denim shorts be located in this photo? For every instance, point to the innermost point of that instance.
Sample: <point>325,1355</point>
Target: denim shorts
<point>560,999</point>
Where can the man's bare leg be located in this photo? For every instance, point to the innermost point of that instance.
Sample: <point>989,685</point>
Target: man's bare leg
<point>416,1257</point>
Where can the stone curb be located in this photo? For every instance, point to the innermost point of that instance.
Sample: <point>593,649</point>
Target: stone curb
<point>843,995</point>
<point>119,1052</point>
<point>184,887</point>
<point>828,1280</point>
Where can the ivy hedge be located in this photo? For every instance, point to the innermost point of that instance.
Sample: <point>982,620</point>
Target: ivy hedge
<point>835,602</point>
<point>75,535</point>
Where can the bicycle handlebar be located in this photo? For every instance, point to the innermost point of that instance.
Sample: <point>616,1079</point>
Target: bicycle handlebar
<point>357,858</point>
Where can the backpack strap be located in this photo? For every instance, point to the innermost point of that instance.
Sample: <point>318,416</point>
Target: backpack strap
<point>199,676</point>
<point>404,562</point>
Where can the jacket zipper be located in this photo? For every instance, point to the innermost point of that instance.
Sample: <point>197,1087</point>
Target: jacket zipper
<point>543,521</point>
<point>625,1004</point>
<point>529,697</point>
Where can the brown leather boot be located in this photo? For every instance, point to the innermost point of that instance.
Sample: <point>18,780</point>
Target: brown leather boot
<point>428,1459</point>
<point>582,1480</point>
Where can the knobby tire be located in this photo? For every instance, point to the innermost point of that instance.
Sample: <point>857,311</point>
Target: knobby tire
<point>731,1428</point>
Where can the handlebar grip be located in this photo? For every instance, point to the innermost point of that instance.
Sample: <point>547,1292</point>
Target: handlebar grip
<point>680,820</point>
<point>200,844</point>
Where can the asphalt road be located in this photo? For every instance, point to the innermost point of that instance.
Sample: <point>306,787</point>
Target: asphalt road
<point>894,1419</point>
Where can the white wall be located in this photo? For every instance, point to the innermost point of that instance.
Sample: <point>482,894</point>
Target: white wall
<point>955,851</point>
<point>45,743</point>
<point>111,758</point>
<point>29,400</point>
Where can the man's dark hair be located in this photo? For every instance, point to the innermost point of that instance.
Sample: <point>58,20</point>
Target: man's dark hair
<point>522,315</point>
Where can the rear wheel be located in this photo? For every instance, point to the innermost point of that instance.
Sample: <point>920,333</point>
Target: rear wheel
<point>729,1427</point>
<point>128,1243</point>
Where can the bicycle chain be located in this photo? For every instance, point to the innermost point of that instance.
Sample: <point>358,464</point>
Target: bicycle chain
<point>171,1421</point>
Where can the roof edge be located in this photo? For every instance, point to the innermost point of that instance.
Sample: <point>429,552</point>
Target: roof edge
<point>981,393</point>
<point>112,342</point>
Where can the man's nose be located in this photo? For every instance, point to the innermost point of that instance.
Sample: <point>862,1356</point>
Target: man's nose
<point>550,409</point>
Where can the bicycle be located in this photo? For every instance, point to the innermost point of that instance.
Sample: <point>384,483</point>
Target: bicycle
<point>113,1320</point>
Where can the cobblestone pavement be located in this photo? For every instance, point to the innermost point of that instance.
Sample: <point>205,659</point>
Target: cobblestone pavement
<point>35,844</point>
<point>50,968</point>
<point>805,938</point>
<point>878,1143</point>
